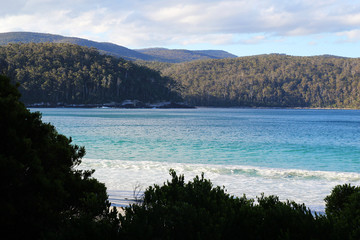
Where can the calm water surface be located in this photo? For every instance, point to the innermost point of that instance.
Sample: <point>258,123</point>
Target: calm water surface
<point>296,154</point>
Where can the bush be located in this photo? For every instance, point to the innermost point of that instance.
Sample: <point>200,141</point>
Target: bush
<point>43,195</point>
<point>179,211</point>
<point>197,210</point>
<point>343,209</point>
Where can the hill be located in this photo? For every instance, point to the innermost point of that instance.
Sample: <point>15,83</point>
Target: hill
<point>63,74</point>
<point>272,80</point>
<point>155,54</point>
<point>105,48</point>
<point>182,55</point>
<point>220,54</point>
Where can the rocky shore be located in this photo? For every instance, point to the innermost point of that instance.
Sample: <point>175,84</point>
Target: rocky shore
<point>124,104</point>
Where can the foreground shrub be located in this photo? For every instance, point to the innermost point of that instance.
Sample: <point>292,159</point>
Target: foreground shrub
<point>197,210</point>
<point>42,193</point>
<point>343,209</point>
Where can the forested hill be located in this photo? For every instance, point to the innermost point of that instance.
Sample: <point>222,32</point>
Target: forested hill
<point>105,48</point>
<point>269,80</point>
<point>154,54</point>
<point>71,74</point>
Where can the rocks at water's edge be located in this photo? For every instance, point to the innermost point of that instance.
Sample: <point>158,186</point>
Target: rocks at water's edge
<point>124,104</point>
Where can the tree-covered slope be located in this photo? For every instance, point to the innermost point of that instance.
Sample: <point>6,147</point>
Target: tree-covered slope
<point>269,80</point>
<point>66,73</point>
<point>44,194</point>
<point>106,48</point>
<point>85,76</point>
<point>154,54</point>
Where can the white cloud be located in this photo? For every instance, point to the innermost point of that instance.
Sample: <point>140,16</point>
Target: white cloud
<point>214,39</point>
<point>351,36</point>
<point>254,40</point>
<point>163,22</point>
<point>352,19</point>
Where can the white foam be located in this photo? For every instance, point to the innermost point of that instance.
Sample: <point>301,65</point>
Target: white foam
<point>301,186</point>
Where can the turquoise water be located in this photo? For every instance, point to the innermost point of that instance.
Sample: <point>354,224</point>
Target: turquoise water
<point>296,154</point>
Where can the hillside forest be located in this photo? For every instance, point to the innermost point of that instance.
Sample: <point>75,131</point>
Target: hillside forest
<point>72,74</point>
<point>268,81</point>
<point>148,54</point>
<point>68,73</point>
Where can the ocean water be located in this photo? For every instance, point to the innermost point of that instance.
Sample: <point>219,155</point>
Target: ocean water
<point>296,154</point>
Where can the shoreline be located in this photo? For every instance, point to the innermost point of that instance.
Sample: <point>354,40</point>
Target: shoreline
<point>168,105</point>
<point>127,104</point>
<point>305,108</point>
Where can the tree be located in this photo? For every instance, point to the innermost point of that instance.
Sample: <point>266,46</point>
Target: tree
<point>70,74</point>
<point>267,80</point>
<point>343,208</point>
<point>197,210</point>
<point>43,195</point>
<point>178,210</point>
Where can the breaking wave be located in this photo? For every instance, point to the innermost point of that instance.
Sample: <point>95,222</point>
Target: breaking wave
<point>302,186</point>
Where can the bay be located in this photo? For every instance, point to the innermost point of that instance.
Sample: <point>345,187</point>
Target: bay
<point>297,154</point>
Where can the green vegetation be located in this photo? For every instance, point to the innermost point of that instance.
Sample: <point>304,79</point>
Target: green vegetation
<point>44,196</point>
<point>268,81</point>
<point>197,210</point>
<point>71,74</point>
<point>105,48</point>
<point>165,55</point>
<point>343,208</point>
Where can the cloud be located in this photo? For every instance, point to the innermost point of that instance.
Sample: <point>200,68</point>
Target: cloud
<point>145,23</point>
<point>350,36</point>
<point>254,40</point>
<point>277,18</point>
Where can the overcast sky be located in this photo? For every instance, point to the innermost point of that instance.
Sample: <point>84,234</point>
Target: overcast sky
<point>242,27</point>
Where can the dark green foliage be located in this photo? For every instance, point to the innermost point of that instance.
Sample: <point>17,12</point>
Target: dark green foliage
<point>269,81</point>
<point>288,220</point>
<point>42,193</point>
<point>197,210</point>
<point>71,74</point>
<point>179,211</point>
<point>343,208</point>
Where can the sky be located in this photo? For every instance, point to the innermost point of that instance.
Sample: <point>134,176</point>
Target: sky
<point>242,27</point>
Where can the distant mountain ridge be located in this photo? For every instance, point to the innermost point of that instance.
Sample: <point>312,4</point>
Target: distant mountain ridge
<point>183,55</point>
<point>106,48</point>
<point>151,54</point>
